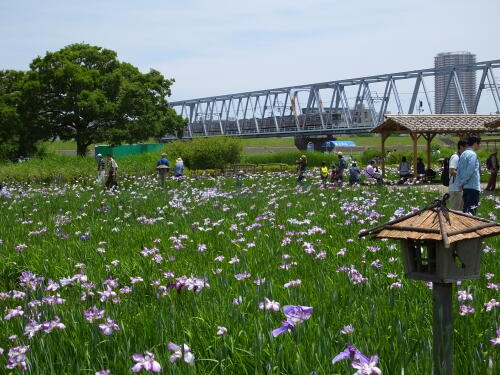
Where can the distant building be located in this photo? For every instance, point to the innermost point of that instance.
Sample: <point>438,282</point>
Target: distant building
<point>467,81</point>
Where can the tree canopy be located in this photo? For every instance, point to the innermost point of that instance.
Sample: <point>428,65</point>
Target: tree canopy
<point>22,122</point>
<point>90,96</point>
<point>85,93</point>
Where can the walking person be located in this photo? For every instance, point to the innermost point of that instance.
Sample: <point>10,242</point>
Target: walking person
<point>179,168</point>
<point>301,169</point>
<point>456,195</point>
<point>342,165</point>
<point>354,174</point>
<point>492,166</point>
<point>101,169</point>
<point>162,168</point>
<point>112,171</point>
<point>404,169</point>
<point>468,175</point>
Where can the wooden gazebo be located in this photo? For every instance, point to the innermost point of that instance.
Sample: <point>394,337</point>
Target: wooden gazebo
<point>428,126</point>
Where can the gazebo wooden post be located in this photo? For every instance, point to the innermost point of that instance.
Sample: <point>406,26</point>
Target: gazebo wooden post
<point>429,137</point>
<point>383,138</point>
<point>414,138</point>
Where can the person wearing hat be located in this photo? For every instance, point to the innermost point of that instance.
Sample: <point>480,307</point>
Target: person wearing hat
<point>301,169</point>
<point>341,166</point>
<point>101,168</point>
<point>179,167</point>
<point>162,168</point>
<point>113,169</point>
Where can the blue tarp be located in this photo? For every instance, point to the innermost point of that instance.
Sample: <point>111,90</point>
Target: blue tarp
<point>339,144</point>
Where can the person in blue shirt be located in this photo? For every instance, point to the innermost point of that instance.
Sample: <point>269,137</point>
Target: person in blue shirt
<point>467,178</point>
<point>162,167</point>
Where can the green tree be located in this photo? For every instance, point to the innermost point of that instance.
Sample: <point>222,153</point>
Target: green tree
<point>89,96</point>
<point>22,123</point>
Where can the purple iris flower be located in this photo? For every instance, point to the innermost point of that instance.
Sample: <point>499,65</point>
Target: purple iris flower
<point>109,327</point>
<point>368,367</point>
<point>17,358</point>
<point>350,353</point>
<point>145,362</point>
<point>294,316</point>
<point>360,362</point>
<point>286,326</point>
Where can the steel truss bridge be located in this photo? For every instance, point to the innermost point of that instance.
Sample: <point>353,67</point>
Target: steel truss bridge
<point>327,108</point>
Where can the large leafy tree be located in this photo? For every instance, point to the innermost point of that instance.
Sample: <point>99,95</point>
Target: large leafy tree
<point>22,122</point>
<point>89,96</point>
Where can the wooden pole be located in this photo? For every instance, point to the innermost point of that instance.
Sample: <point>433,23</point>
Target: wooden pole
<point>415,152</point>
<point>429,137</point>
<point>442,328</point>
<point>384,137</point>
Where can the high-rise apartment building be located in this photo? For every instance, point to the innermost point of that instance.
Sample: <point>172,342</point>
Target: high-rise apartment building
<point>467,81</point>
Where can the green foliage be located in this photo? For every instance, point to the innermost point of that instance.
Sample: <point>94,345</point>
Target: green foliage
<point>368,155</point>
<point>90,96</point>
<point>314,159</point>
<point>61,169</point>
<point>19,129</point>
<point>207,153</point>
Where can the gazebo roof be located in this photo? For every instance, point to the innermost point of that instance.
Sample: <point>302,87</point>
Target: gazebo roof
<point>436,223</point>
<point>450,124</point>
<point>494,124</point>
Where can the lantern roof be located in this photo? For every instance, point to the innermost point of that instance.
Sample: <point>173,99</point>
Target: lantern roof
<point>436,223</point>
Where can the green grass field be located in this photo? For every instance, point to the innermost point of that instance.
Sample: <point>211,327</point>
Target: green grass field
<point>68,248</point>
<point>362,141</point>
<point>368,141</point>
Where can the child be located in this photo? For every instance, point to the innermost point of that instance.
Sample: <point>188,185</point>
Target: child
<point>324,172</point>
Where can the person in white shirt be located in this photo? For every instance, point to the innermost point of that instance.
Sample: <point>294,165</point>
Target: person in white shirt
<point>113,168</point>
<point>370,172</point>
<point>456,201</point>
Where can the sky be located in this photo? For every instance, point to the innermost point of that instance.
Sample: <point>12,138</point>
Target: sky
<point>222,46</point>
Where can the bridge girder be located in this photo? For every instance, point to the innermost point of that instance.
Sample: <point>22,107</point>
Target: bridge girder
<point>278,111</point>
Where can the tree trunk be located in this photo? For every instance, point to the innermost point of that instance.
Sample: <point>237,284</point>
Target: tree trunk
<point>81,148</point>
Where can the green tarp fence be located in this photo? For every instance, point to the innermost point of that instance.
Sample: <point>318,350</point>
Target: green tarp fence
<point>126,150</point>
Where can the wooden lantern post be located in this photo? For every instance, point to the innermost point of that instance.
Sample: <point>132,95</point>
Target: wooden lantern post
<point>441,246</point>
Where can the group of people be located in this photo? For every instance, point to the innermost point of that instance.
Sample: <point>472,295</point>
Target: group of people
<point>112,171</point>
<point>404,170</point>
<point>337,171</point>
<point>464,175</point>
<point>162,170</point>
